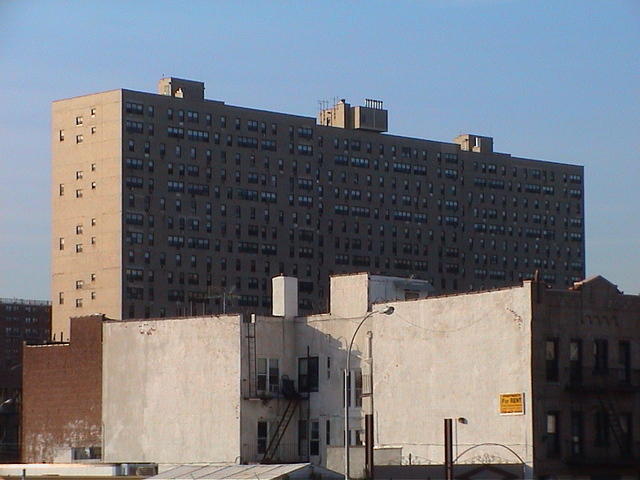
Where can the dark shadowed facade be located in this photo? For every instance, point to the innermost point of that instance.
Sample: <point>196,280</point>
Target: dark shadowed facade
<point>20,320</point>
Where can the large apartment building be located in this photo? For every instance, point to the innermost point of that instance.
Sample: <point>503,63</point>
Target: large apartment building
<point>170,204</point>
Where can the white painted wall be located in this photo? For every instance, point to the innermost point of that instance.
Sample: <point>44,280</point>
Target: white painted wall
<point>444,357</point>
<point>452,357</point>
<point>171,390</point>
<point>177,390</point>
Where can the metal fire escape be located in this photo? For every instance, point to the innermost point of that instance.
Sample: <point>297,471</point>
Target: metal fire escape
<point>293,400</point>
<point>613,419</point>
<point>251,358</point>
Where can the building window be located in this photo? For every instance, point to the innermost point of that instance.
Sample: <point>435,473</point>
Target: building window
<point>79,193</point>
<point>78,302</point>
<point>601,355</point>
<point>262,437</point>
<point>61,189</point>
<point>601,422</point>
<point>308,374</point>
<point>79,284</point>
<point>268,375</point>
<point>79,138</point>
<point>624,361</point>
<point>303,438</point>
<point>314,442</point>
<point>61,135</point>
<point>553,436</point>
<point>575,361</point>
<point>78,247</point>
<point>551,359</point>
<point>577,433</point>
<point>61,298</point>
<point>626,427</point>
<point>79,120</point>
<point>79,175</point>
<point>327,432</point>
<point>358,387</point>
<point>61,243</point>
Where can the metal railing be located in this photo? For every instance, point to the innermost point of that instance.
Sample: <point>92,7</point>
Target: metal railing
<point>584,454</point>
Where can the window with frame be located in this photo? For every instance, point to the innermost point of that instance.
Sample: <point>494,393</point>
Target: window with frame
<point>314,440</point>
<point>268,375</point>
<point>600,355</point>
<point>577,433</point>
<point>308,374</point>
<point>553,434</point>
<point>626,427</point>
<point>327,432</point>
<point>262,436</point>
<point>601,423</point>
<point>575,361</point>
<point>624,361</point>
<point>551,359</point>
<point>303,438</point>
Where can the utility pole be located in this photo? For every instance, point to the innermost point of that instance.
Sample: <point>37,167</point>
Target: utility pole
<point>448,448</point>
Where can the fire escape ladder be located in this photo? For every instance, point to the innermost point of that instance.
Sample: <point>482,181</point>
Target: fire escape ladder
<point>251,357</point>
<point>609,407</point>
<point>276,438</point>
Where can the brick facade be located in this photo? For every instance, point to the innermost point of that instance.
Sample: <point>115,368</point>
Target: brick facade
<point>62,391</point>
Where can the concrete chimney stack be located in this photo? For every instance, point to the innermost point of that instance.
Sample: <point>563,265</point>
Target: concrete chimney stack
<point>285,296</point>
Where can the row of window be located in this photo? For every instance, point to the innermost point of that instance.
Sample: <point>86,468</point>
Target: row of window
<point>599,364</point>
<point>353,144</point>
<point>602,426</point>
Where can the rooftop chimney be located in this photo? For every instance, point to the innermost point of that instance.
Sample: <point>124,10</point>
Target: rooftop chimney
<point>285,296</point>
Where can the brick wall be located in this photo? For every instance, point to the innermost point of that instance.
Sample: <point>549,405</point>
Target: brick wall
<point>62,394</point>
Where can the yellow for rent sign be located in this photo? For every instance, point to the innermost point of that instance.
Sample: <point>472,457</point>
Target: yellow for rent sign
<point>511,403</point>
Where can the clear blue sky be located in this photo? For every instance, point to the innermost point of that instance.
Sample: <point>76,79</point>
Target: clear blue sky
<point>550,80</point>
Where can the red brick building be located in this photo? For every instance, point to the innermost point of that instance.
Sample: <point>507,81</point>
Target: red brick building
<point>62,392</point>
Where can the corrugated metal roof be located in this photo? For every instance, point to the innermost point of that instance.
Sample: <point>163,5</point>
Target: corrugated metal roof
<point>230,472</point>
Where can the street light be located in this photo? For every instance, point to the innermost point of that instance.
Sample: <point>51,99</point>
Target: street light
<point>387,311</point>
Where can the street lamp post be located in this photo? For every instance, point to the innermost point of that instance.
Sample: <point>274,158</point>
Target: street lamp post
<point>387,311</point>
